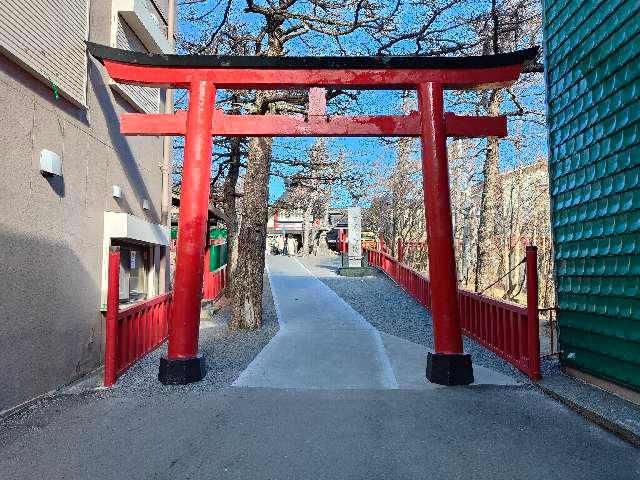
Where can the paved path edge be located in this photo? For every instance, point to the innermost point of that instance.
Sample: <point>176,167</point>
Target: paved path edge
<point>593,416</point>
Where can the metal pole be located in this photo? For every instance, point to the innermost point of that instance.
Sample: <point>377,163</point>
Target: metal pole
<point>533,323</point>
<point>183,364</point>
<point>111,327</point>
<point>164,276</point>
<point>448,366</point>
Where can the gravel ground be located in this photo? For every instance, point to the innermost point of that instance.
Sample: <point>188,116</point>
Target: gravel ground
<point>387,307</point>
<point>228,353</point>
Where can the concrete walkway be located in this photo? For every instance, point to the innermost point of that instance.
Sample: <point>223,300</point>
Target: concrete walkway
<point>329,398</point>
<point>323,343</point>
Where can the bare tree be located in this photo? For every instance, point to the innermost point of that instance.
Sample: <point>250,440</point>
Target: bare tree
<point>283,23</point>
<point>285,27</point>
<point>504,27</point>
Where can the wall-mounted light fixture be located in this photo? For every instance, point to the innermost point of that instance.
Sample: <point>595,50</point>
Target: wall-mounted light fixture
<point>145,204</point>
<point>50,163</point>
<point>116,191</point>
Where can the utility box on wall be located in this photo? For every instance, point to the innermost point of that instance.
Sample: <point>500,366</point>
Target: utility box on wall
<point>50,163</point>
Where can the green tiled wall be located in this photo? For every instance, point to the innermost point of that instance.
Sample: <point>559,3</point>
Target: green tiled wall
<point>593,91</point>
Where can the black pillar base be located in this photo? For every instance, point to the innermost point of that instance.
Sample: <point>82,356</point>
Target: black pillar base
<point>449,369</point>
<point>181,371</point>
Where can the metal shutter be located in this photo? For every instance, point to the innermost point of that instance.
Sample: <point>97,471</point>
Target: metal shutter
<point>143,98</point>
<point>47,37</point>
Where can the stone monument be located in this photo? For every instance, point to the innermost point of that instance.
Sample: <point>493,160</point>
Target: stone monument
<point>355,237</point>
<point>352,264</point>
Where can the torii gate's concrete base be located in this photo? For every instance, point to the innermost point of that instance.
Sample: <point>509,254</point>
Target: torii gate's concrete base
<point>355,271</point>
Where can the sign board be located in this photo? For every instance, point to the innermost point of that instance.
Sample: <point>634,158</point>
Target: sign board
<point>355,237</point>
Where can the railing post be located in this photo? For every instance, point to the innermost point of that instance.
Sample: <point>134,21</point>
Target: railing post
<point>533,323</point>
<point>111,327</point>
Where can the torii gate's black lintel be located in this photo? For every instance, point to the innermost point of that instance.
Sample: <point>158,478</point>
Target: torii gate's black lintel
<point>518,57</point>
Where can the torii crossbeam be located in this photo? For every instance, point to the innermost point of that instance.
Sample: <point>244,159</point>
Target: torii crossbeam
<point>202,75</point>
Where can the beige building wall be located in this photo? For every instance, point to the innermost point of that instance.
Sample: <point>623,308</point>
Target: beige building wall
<point>51,228</point>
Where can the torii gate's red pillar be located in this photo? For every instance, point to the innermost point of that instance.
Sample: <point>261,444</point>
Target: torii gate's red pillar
<point>182,363</point>
<point>448,365</point>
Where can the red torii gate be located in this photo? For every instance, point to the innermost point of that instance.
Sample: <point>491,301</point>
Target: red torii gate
<point>202,75</point>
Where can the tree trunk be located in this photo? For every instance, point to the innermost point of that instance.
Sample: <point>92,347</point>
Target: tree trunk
<point>488,256</point>
<point>246,301</point>
<point>231,211</point>
<point>246,304</point>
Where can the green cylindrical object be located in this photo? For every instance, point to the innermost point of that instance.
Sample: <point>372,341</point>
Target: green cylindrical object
<point>224,254</point>
<point>214,258</point>
<point>217,255</point>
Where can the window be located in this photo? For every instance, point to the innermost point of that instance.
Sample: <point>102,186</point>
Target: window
<point>144,99</point>
<point>135,262</point>
<point>47,37</point>
<point>141,249</point>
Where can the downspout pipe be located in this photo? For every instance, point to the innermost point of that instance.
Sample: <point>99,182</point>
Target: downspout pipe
<point>167,155</point>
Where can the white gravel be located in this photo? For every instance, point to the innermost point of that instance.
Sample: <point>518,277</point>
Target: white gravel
<point>227,353</point>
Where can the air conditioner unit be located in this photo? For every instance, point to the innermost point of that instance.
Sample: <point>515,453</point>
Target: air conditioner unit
<point>50,163</point>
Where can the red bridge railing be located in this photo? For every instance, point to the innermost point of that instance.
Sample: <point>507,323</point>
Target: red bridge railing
<point>214,283</point>
<point>509,330</point>
<point>134,332</point>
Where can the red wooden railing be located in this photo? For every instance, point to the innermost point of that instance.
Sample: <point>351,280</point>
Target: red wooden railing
<point>343,242</point>
<point>214,283</point>
<point>509,330</point>
<point>134,332</point>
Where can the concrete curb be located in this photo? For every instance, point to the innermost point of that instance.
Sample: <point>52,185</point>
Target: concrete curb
<point>617,429</point>
<point>61,390</point>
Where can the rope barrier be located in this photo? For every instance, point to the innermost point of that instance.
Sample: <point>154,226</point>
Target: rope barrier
<point>494,283</point>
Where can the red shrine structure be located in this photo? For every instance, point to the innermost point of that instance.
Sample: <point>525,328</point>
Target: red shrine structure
<point>202,75</point>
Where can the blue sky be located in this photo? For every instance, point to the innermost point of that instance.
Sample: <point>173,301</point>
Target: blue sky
<point>366,152</point>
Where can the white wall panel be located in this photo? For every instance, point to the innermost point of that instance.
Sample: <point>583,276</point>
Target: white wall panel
<point>47,37</point>
<point>143,98</point>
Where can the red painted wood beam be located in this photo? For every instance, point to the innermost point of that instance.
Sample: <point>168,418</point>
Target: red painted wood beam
<point>275,125</point>
<point>192,228</point>
<point>437,207</point>
<point>475,126</point>
<point>314,126</point>
<point>258,78</point>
